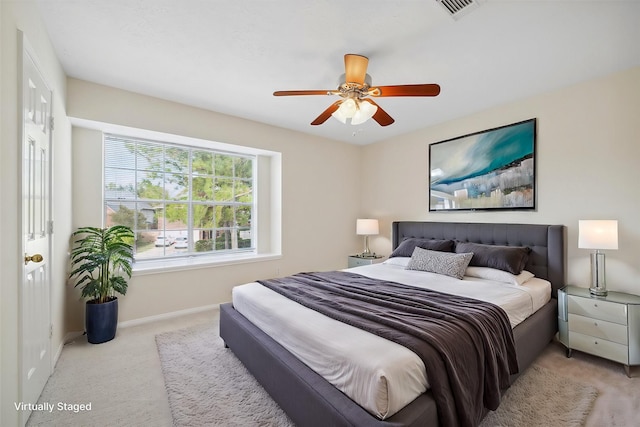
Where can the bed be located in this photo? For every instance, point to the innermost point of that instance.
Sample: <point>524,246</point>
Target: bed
<point>311,400</point>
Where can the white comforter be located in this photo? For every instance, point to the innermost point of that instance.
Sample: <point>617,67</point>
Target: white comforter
<point>380,375</point>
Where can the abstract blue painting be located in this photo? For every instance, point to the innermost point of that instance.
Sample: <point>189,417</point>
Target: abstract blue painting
<point>492,169</point>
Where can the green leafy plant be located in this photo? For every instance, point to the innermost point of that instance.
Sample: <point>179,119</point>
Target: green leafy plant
<point>205,245</point>
<point>100,259</point>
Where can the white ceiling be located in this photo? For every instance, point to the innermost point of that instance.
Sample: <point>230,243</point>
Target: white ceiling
<point>229,56</point>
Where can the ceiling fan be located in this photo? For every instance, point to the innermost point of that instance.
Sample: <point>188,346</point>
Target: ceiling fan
<point>355,91</point>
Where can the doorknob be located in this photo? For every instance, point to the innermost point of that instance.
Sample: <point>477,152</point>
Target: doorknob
<point>34,258</point>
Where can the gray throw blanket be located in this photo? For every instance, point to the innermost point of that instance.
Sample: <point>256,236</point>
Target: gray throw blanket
<point>466,345</point>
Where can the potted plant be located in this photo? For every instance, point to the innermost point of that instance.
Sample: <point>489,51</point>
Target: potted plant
<point>100,259</point>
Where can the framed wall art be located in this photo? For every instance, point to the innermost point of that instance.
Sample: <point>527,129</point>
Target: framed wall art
<point>489,170</point>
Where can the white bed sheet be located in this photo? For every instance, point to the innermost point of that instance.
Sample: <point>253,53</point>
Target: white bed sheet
<point>379,375</point>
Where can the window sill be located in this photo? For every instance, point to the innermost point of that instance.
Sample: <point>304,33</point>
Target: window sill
<point>142,268</point>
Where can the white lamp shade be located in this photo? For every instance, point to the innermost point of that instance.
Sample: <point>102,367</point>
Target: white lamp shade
<point>356,110</point>
<point>346,110</point>
<point>365,111</point>
<point>339,115</point>
<point>598,234</point>
<point>367,227</point>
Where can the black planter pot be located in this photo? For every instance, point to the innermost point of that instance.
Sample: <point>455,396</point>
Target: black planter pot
<point>101,320</point>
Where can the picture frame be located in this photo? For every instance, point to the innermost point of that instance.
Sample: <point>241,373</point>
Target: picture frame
<point>494,169</point>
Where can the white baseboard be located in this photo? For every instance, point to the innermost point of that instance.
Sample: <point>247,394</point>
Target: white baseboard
<point>67,339</point>
<point>70,336</point>
<point>56,356</point>
<point>164,316</point>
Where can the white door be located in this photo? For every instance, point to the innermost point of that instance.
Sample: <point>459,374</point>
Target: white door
<point>35,329</point>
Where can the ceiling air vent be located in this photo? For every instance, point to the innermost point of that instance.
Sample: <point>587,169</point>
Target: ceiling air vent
<point>458,8</point>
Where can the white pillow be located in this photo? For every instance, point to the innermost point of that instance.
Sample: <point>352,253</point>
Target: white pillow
<point>499,275</point>
<point>399,260</point>
<point>447,263</point>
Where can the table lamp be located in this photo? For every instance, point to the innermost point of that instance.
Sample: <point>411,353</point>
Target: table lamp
<point>598,235</point>
<point>366,228</point>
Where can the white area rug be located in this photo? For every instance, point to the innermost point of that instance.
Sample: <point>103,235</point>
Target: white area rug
<point>208,386</point>
<point>541,398</point>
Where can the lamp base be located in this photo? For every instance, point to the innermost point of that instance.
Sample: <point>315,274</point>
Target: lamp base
<point>367,255</point>
<point>598,292</point>
<point>598,284</point>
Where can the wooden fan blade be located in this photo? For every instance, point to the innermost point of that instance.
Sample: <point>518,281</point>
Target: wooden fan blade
<point>355,68</point>
<point>303,92</point>
<point>380,116</point>
<point>406,90</point>
<point>326,113</point>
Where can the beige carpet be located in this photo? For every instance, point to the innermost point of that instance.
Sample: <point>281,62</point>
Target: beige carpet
<point>208,386</point>
<point>618,402</point>
<point>123,380</point>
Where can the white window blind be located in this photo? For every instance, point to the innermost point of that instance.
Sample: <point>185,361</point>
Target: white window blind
<point>179,200</point>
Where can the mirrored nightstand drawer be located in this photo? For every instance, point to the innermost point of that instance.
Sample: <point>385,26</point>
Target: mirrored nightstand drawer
<point>357,261</point>
<point>599,347</point>
<point>598,309</point>
<point>598,328</point>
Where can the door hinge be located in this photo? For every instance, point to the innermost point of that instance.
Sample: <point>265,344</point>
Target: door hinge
<point>50,227</point>
<point>51,123</point>
<point>50,331</point>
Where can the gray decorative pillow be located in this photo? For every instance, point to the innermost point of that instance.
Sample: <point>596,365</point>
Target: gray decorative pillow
<point>405,248</point>
<point>446,263</point>
<point>508,258</point>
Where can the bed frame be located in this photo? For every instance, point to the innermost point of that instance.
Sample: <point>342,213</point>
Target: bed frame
<point>310,400</point>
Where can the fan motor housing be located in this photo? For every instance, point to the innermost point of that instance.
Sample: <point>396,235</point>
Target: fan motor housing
<point>354,90</point>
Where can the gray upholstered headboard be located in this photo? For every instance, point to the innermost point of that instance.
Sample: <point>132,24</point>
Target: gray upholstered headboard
<point>547,258</point>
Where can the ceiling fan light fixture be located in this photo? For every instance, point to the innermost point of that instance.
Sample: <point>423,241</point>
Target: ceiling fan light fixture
<point>365,111</point>
<point>349,107</point>
<point>346,110</point>
<point>357,110</point>
<point>338,115</point>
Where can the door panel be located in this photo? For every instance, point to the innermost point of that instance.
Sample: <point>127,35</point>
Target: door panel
<point>35,322</point>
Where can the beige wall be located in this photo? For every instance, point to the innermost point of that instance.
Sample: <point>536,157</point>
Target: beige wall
<point>587,166</point>
<point>320,202</point>
<point>588,146</point>
<point>14,16</point>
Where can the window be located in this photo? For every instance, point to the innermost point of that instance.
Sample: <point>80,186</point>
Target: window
<point>179,200</point>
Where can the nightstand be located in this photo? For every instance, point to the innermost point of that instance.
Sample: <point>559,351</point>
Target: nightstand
<point>358,260</point>
<point>607,327</point>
